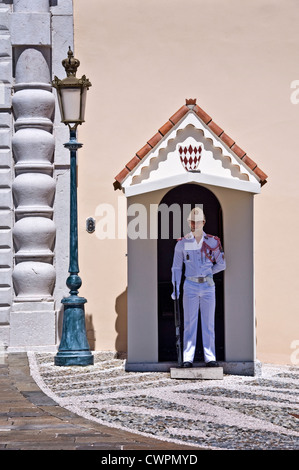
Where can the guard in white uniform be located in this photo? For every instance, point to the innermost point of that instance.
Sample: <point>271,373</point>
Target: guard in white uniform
<point>203,256</point>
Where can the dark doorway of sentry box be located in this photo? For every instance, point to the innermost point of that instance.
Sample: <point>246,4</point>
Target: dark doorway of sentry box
<point>188,195</point>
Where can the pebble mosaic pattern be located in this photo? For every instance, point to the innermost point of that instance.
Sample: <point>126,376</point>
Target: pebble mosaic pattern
<point>239,413</point>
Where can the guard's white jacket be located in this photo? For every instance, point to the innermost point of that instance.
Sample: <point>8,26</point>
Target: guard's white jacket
<point>201,259</point>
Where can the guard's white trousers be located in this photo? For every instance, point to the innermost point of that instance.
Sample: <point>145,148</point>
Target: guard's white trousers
<point>199,296</point>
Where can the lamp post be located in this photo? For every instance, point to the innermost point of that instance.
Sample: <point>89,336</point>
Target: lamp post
<point>71,93</point>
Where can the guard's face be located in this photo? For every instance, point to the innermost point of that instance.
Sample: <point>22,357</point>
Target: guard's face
<point>196,225</point>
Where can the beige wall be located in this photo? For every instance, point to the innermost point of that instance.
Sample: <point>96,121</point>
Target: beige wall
<point>238,58</point>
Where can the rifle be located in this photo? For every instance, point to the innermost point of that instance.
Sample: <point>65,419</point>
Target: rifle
<point>177,321</point>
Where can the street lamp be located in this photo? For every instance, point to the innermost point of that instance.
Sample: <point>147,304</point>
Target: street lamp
<point>71,92</point>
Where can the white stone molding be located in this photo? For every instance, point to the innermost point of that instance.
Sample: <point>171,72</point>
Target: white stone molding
<point>34,195</point>
<point>34,240</point>
<point>36,156</point>
<point>33,147</point>
<point>6,204</point>
<point>34,187</point>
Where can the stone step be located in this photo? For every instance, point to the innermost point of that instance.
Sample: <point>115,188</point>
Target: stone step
<point>197,373</point>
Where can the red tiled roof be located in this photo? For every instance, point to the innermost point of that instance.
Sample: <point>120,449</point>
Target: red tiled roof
<point>173,120</point>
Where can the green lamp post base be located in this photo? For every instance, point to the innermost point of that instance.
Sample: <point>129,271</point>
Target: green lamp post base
<point>74,358</point>
<point>74,348</point>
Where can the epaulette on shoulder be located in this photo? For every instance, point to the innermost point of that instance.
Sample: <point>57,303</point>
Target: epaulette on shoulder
<point>211,238</point>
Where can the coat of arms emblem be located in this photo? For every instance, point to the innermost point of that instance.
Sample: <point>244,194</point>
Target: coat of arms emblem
<point>190,156</point>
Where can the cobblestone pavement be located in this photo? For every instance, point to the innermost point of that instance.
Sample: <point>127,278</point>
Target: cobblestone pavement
<point>236,413</point>
<point>31,420</point>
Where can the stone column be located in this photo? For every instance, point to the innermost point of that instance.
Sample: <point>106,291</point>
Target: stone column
<point>32,320</point>
<point>6,204</point>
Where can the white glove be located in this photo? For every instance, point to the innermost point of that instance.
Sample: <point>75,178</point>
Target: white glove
<point>210,281</point>
<point>177,295</point>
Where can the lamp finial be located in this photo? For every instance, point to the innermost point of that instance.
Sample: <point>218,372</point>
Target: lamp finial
<point>70,63</point>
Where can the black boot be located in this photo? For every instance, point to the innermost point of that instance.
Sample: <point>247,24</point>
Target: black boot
<point>212,364</point>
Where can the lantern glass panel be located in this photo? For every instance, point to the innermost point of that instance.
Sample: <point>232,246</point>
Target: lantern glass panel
<point>83,103</point>
<point>70,100</point>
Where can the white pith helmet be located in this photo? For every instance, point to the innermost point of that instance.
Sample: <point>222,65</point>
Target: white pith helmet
<point>196,215</point>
